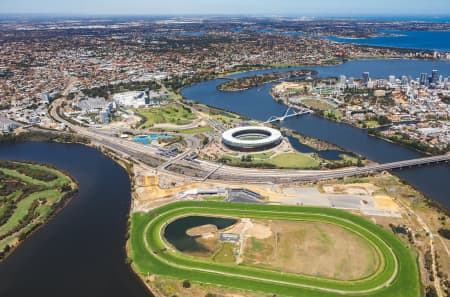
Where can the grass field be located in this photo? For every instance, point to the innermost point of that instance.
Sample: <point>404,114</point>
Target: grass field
<point>194,130</point>
<point>225,254</point>
<point>294,160</point>
<point>312,248</point>
<point>27,199</point>
<point>287,160</point>
<point>171,114</point>
<point>319,104</point>
<point>397,275</point>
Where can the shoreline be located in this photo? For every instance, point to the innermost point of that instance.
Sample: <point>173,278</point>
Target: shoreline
<point>66,199</point>
<point>142,280</point>
<point>114,157</point>
<point>370,131</point>
<point>227,74</point>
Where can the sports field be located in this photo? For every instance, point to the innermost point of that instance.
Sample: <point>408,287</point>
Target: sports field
<point>397,274</point>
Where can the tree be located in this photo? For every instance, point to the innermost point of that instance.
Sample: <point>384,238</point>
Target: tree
<point>186,284</point>
<point>430,291</point>
<point>205,141</point>
<point>444,233</point>
<point>359,163</point>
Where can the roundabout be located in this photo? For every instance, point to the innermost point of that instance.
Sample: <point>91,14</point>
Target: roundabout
<point>396,275</point>
<point>251,138</point>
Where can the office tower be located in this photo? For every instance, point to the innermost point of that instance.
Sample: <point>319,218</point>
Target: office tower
<point>405,80</point>
<point>435,77</point>
<point>424,79</point>
<point>365,77</point>
<point>147,96</point>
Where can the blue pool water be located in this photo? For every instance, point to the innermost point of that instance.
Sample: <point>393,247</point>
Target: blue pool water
<point>144,139</point>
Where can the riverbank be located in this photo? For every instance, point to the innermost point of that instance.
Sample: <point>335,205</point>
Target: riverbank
<point>89,232</point>
<point>41,135</point>
<point>30,195</point>
<point>248,82</point>
<point>388,191</point>
<point>328,109</point>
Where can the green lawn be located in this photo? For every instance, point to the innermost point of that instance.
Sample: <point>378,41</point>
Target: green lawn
<point>372,124</point>
<point>398,268</point>
<point>265,155</point>
<point>294,160</point>
<point>286,160</point>
<point>319,104</point>
<point>24,205</point>
<point>33,202</point>
<point>171,114</point>
<point>225,254</point>
<point>194,130</point>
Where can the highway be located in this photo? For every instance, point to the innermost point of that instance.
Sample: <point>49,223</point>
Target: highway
<point>202,170</point>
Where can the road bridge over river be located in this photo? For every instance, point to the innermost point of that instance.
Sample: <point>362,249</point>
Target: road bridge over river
<point>202,170</point>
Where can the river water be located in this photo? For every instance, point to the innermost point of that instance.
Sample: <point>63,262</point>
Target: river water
<point>257,103</point>
<point>81,251</point>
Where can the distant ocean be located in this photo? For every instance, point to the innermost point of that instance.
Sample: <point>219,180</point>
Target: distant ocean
<point>430,40</point>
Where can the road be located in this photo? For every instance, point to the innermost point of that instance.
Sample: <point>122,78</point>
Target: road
<point>386,283</point>
<point>201,169</point>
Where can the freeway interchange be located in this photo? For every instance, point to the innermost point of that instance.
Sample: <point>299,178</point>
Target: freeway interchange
<point>200,169</point>
<point>388,281</point>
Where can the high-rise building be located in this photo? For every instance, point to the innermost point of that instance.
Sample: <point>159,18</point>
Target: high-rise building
<point>424,79</point>
<point>405,80</point>
<point>147,96</point>
<point>365,78</point>
<point>435,77</point>
<point>392,79</point>
<point>103,116</point>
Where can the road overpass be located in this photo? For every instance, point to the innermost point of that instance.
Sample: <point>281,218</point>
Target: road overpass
<point>312,175</point>
<point>202,170</point>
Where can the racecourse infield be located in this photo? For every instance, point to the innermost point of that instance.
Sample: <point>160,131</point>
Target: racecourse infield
<point>397,274</point>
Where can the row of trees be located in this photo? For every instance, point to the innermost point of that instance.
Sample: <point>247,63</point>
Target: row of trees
<point>106,90</point>
<point>38,174</point>
<point>42,136</point>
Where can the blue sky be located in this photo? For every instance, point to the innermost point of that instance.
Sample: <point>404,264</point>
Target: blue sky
<point>248,7</point>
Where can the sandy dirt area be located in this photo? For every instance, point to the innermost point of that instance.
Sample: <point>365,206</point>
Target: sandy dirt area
<point>248,228</point>
<point>354,189</point>
<point>385,202</point>
<point>203,231</point>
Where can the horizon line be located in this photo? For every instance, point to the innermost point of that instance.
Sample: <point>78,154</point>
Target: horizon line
<point>62,14</point>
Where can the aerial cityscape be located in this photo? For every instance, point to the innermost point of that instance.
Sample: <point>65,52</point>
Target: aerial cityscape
<point>205,149</point>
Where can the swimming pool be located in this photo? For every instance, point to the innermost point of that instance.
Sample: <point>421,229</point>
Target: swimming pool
<point>147,139</point>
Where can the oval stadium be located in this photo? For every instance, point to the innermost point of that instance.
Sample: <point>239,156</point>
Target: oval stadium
<point>251,138</point>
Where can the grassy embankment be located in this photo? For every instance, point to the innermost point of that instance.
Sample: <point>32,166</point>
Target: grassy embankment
<point>267,160</point>
<point>170,114</point>
<point>149,255</point>
<point>29,195</point>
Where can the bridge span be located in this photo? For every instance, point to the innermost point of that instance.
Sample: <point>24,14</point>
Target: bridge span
<point>290,112</point>
<point>387,166</point>
<point>271,175</point>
